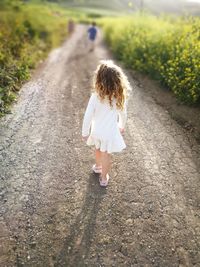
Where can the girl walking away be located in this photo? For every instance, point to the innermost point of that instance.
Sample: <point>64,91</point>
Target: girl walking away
<point>105,116</point>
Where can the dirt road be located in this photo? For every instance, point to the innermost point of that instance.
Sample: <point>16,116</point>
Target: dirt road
<point>53,211</point>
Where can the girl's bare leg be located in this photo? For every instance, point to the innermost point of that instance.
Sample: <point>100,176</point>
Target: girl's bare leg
<point>98,158</point>
<point>106,164</point>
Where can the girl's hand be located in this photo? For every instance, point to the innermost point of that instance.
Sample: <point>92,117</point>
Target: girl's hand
<point>121,130</point>
<point>85,138</point>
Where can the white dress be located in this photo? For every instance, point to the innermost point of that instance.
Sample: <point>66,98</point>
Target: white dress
<point>102,122</point>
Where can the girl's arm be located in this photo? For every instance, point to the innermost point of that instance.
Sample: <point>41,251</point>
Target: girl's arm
<point>88,116</point>
<point>122,117</point>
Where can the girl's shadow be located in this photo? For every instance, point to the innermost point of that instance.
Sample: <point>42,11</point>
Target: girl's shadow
<point>77,245</point>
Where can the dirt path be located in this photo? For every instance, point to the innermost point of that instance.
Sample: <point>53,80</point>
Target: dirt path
<point>53,212</point>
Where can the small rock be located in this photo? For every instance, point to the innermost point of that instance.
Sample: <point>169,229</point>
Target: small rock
<point>129,221</point>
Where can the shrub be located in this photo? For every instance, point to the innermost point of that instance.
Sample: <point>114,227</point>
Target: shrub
<point>167,49</point>
<point>27,33</point>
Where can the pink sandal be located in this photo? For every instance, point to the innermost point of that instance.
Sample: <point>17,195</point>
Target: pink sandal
<point>104,183</point>
<point>96,169</point>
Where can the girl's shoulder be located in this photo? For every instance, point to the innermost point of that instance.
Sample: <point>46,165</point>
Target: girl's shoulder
<point>95,96</point>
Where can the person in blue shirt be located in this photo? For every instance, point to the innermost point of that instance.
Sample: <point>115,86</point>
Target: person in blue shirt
<point>92,33</point>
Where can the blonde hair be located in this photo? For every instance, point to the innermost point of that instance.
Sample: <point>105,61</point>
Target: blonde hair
<point>111,83</point>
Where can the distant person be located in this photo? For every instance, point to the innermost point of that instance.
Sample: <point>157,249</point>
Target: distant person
<point>70,26</point>
<point>92,33</point>
<point>105,117</point>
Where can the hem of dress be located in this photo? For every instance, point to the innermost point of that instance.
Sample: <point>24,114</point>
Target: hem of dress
<point>110,152</point>
<point>92,143</point>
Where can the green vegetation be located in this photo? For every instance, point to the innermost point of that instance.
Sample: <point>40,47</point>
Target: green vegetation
<point>98,5</point>
<point>166,49</point>
<point>28,32</point>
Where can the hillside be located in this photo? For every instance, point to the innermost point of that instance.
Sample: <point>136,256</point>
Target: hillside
<point>129,6</point>
<point>115,5</point>
<point>154,6</point>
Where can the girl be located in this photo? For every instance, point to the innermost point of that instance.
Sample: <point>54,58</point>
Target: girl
<point>105,116</point>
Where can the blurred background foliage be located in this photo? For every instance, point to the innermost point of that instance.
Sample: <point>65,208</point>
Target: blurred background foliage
<point>28,30</point>
<point>166,47</point>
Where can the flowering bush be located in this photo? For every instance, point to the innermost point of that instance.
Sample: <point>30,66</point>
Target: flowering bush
<point>27,32</point>
<point>167,49</point>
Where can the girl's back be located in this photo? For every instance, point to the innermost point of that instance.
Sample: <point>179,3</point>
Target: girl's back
<point>105,119</point>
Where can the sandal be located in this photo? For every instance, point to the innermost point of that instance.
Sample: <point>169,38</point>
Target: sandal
<point>104,183</point>
<point>96,169</point>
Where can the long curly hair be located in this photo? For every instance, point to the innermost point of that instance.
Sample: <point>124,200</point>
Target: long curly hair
<point>111,83</point>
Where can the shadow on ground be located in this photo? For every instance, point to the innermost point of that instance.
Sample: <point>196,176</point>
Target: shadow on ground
<point>77,245</point>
